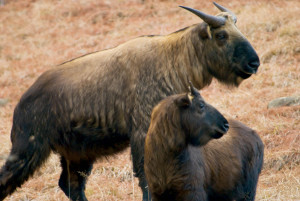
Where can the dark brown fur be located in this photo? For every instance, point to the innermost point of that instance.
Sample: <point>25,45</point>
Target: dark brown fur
<point>177,170</point>
<point>99,104</point>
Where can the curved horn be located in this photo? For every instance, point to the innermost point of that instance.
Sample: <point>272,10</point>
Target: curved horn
<point>223,9</point>
<point>193,90</point>
<point>211,20</point>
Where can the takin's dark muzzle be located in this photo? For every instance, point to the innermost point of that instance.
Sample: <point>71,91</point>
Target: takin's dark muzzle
<point>221,130</point>
<point>221,127</point>
<point>246,58</point>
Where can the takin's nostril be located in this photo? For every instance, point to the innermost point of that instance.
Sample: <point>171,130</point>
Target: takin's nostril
<point>226,126</point>
<point>254,64</point>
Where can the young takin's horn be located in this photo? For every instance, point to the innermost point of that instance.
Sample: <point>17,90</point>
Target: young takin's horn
<point>223,9</point>
<point>193,90</point>
<point>214,21</point>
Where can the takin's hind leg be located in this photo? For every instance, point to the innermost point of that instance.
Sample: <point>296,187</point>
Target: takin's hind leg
<point>249,188</point>
<point>73,178</point>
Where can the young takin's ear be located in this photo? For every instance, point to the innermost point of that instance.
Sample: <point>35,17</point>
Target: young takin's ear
<point>205,31</point>
<point>184,101</point>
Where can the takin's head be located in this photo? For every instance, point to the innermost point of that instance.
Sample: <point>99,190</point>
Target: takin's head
<point>227,54</point>
<point>200,121</point>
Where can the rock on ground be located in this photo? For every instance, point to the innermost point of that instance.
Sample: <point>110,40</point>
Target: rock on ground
<point>285,101</point>
<point>3,102</point>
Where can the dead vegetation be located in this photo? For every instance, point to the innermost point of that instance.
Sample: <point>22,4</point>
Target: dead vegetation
<point>36,35</point>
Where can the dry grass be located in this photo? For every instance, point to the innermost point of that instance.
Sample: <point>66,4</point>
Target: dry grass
<point>36,35</point>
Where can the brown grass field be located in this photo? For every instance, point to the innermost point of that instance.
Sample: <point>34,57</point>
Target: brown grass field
<point>36,35</point>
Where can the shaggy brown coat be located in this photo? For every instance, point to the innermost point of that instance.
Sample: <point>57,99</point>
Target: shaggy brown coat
<point>177,169</point>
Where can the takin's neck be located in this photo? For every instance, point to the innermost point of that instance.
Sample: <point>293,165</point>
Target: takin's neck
<point>167,159</point>
<point>167,144</point>
<point>184,49</point>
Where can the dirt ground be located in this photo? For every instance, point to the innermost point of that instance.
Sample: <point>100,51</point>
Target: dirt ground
<point>36,35</point>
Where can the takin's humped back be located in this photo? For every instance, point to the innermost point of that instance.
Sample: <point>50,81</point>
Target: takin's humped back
<point>99,104</point>
<point>184,163</point>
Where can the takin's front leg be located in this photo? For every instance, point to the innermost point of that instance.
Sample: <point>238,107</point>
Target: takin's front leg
<point>73,178</point>
<point>137,142</point>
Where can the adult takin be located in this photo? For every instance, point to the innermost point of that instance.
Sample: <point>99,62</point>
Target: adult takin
<point>183,163</point>
<point>99,104</point>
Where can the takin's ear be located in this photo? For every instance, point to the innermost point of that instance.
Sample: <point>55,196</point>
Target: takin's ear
<point>184,101</point>
<point>205,32</point>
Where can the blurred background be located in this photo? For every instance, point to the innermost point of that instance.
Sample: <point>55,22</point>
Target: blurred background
<point>36,35</point>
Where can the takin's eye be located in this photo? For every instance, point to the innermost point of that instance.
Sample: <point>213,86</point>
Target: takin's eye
<point>201,105</point>
<point>221,37</point>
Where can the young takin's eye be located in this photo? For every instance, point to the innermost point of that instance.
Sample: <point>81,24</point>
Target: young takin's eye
<point>201,105</point>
